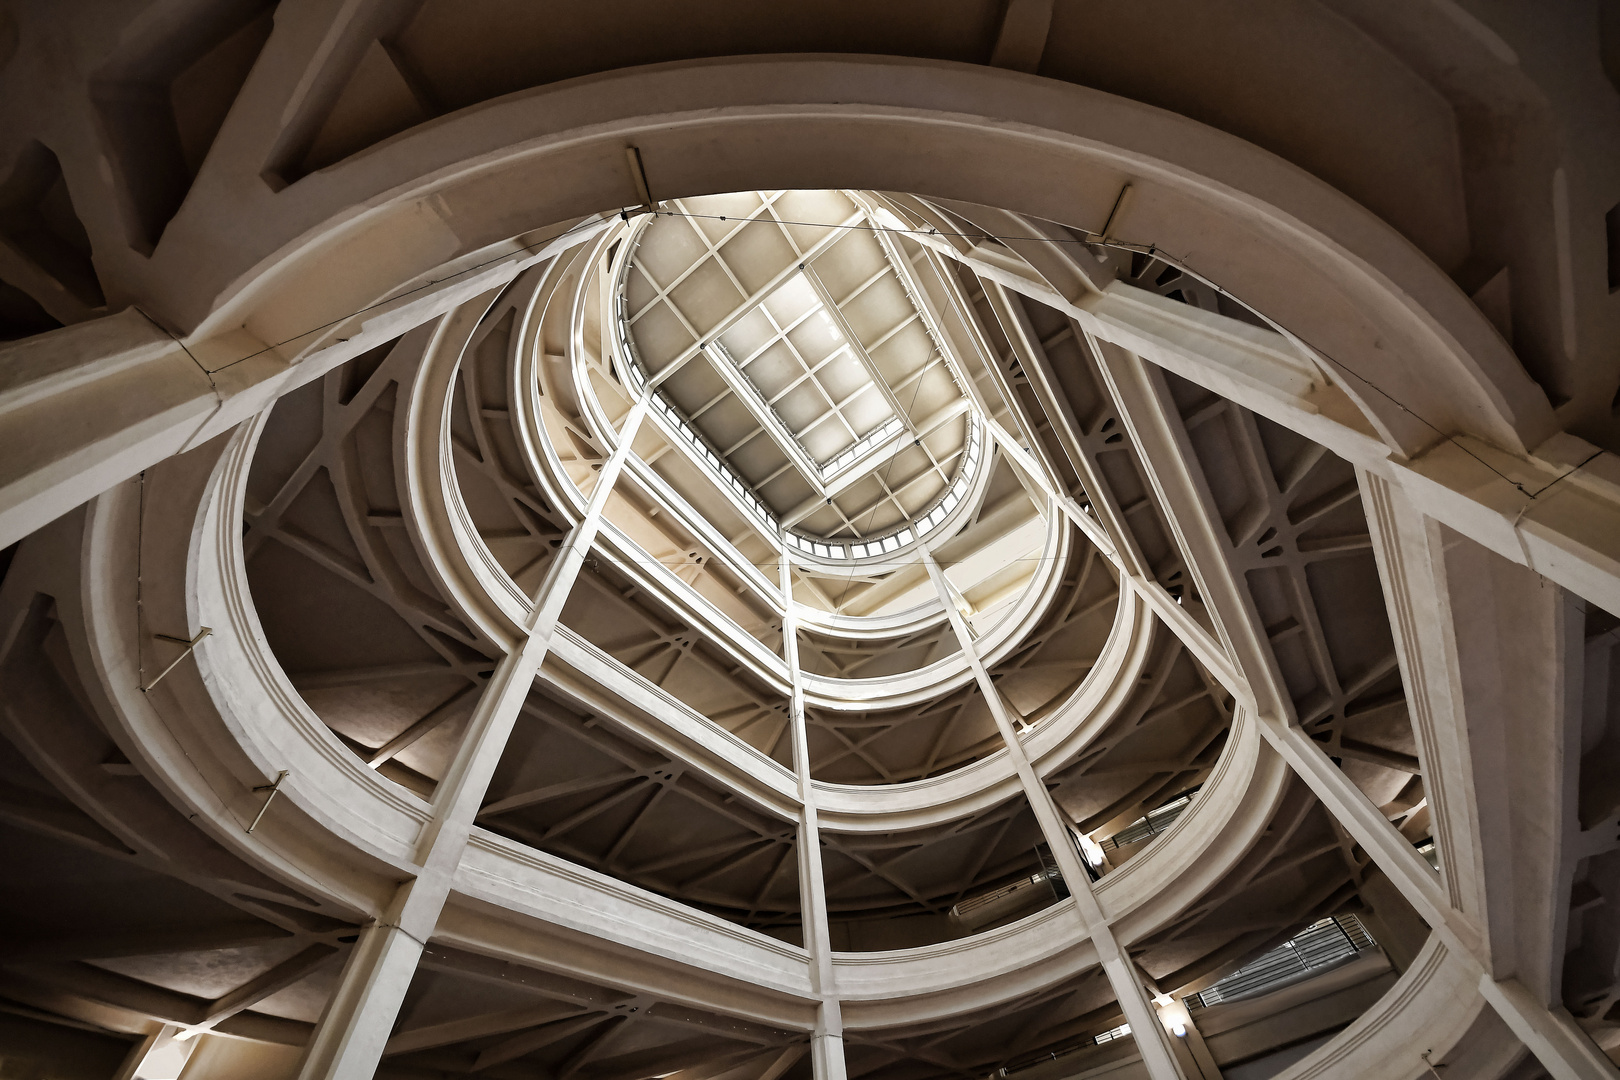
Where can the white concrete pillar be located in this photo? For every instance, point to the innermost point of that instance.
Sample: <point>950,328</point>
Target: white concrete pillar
<point>1198,1050</point>
<point>1151,1037</point>
<point>1564,1049</point>
<point>1492,657</point>
<point>827,1042</point>
<point>1209,651</point>
<point>350,1037</point>
<point>160,1053</point>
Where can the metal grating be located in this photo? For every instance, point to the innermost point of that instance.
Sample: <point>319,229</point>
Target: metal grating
<point>1320,946</point>
<point>1156,822</point>
<point>967,907</point>
<point>1048,875</point>
<point>1049,869</point>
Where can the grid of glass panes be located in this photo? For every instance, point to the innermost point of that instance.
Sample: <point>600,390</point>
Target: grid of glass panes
<point>1154,823</point>
<point>717,350</point>
<point>808,344</point>
<point>631,365</point>
<point>857,451</point>
<point>822,549</point>
<point>1322,945</point>
<point>716,463</point>
<point>868,442</point>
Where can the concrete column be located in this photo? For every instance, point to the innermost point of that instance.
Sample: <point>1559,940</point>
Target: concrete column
<point>827,1043</point>
<point>1564,1049</point>
<point>1199,1051</point>
<point>1492,658</point>
<point>1151,1037</point>
<point>159,1050</point>
<point>350,1037</point>
<point>1165,454</point>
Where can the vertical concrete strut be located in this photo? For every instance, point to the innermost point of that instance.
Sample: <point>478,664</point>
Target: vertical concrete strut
<point>349,1040</point>
<point>1151,1037</point>
<point>827,1043</point>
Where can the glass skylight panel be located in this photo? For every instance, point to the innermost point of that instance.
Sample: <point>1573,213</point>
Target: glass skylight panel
<point>831,323</point>
<point>720,469</point>
<point>763,409</point>
<point>865,445</point>
<point>812,343</point>
<point>791,301</point>
<point>881,546</point>
<point>910,532</point>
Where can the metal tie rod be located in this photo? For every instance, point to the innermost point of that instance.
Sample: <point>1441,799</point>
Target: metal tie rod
<point>189,643</point>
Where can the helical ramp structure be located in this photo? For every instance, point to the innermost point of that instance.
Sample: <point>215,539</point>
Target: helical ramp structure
<point>810,540</point>
<point>763,634</point>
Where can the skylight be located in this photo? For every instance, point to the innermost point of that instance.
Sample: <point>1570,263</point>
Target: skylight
<point>813,360</point>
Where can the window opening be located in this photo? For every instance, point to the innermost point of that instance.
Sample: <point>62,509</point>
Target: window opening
<point>1322,945</point>
<point>789,305</point>
<point>1151,825</point>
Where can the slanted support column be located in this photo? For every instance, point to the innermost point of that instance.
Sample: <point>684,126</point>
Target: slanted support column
<point>1151,1037</point>
<point>1552,1035</point>
<point>1568,533</point>
<point>1147,414</point>
<point>1491,656</point>
<point>827,1042</point>
<point>350,1037</point>
<point>1526,644</point>
<point>1198,1049</point>
<point>1034,463</point>
<point>160,1049</point>
<point>1563,1049</point>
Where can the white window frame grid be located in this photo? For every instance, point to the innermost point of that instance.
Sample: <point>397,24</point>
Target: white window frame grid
<point>628,360</point>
